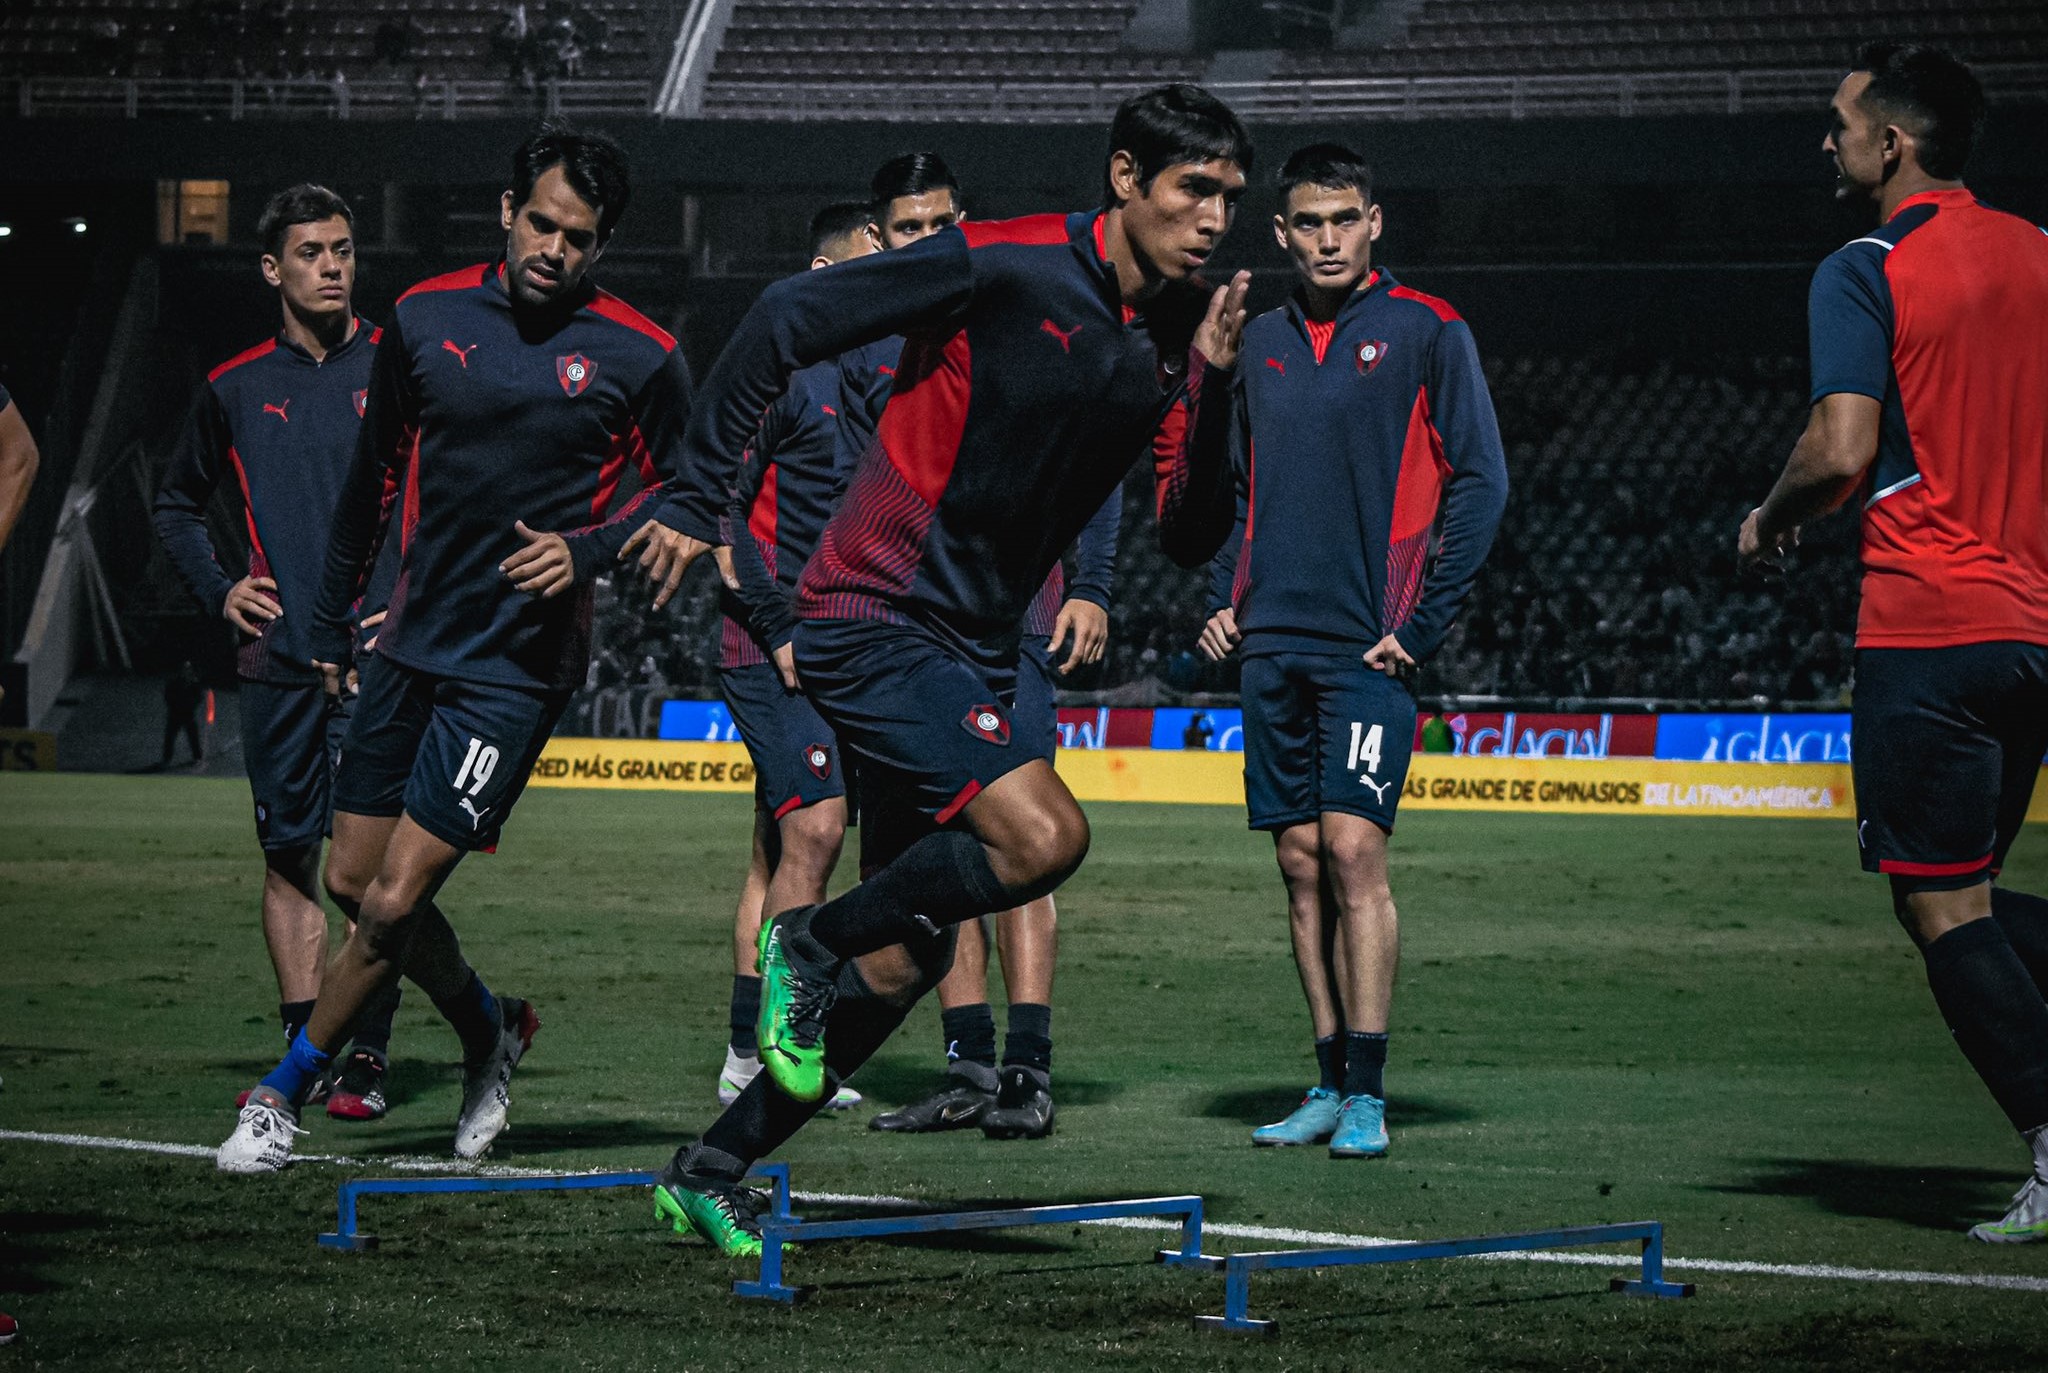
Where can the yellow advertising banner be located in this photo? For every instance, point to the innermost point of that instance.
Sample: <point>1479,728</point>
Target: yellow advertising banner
<point>1614,786</point>
<point>27,750</point>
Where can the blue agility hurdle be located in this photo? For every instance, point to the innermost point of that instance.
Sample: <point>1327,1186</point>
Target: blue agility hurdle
<point>777,1231</point>
<point>1238,1268</point>
<point>349,1239</point>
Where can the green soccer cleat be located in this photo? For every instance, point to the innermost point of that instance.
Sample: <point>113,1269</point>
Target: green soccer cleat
<point>796,996</point>
<point>725,1214</point>
<point>2026,1220</point>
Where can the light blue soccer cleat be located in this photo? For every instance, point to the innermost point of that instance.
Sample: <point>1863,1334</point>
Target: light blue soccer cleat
<point>1361,1128</point>
<point>1309,1123</point>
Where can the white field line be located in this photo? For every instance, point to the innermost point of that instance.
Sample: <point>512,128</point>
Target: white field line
<point>1271,1234</point>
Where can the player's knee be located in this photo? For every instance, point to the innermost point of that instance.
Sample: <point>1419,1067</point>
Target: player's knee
<point>812,837</point>
<point>1356,858</point>
<point>1299,857</point>
<point>384,925</point>
<point>344,887</point>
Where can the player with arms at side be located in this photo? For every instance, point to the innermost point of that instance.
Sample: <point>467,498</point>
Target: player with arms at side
<point>1930,346</point>
<point>789,482</point>
<point>512,396</point>
<point>278,425</point>
<point>1363,423</point>
<point>999,443</point>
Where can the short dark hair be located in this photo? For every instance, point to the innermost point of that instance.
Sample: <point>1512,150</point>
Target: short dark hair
<point>594,165</point>
<point>841,219</point>
<point>304,203</point>
<point>1168,125</point>
<point>1932,94</point>
<point>911,174</point>
<point>1329,165</point>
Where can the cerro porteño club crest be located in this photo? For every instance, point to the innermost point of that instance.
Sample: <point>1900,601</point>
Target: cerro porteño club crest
<point>987,722</point>
<point>574,372</point>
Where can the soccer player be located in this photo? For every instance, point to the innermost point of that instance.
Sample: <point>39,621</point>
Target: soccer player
<point>18,462</point>
<point>1043,355</point>
<point>788,485</point>
<point>1929,349</point>
<point>916,196</point>
<point>1364,422</point>
<point>278,424</point>
<point>512,396</point>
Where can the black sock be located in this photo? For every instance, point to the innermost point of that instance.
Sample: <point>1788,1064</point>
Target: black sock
<point>1330,1062</point>
<point>746,1010</point>
<point>474,1015</point>
<point>1029,1041</point>
<point>940,880</point>
<point>763,1118</point>
<point>1365,1064</point>
<point>373,1027</point>
<point>970,1035</point>
<point>1996,1014</point>
<point>2024,918</point>
<point>294,1014</point>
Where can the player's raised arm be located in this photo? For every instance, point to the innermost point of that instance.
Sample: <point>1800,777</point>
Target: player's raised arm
<point>361,518</point>
<point>1475,488</point>
<point>800,320</point>
<point>1191,451</point>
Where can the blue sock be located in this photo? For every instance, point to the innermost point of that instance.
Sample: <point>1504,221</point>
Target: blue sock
<point>300,1068</point>
<point>474,1014</point>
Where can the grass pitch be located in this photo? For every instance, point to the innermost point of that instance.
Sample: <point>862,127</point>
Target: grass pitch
<point>1712,1023</point>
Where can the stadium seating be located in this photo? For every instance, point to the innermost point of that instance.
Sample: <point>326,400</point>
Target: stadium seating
<point>1483,37</point>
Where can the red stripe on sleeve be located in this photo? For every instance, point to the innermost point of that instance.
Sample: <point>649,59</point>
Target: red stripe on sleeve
<point>921,430</point>
<point>1028,229</point>
<point>1438,306</point>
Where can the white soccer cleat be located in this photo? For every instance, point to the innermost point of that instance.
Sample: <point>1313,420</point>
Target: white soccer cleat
<point>2025,1221</point>
<point>487,1086</point>
<point>262,1141</point>
<point>740,1069</point>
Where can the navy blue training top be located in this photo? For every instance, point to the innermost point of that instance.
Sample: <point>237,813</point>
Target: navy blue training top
<point>1025,391</point>
<point>496,417</point>
<point>282,428</point>
<point>1346,453</point>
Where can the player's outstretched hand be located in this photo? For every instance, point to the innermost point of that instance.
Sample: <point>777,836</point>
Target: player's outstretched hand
<point>1220,635</point>
<point>1222,329</point>
<point>785,665</point>
<point>1087,625</point>
<point>1389,657</point>
<point>543,568</point>
<point>665,556</point>
<point>1751,548</point>
<point>252,604</point>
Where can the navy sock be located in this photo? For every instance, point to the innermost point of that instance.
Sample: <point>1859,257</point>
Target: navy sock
<point>746,1011</point>
<point>1330,1062</point>
<point>1029,1041</point>
<point>2024,918</point>
<point>294,1014</point>
<point>970,1034</point>
<point>1996,1014</point>
<point>474,1014</point>
<point>373,1027</point>
<point>940,880</point>
<point>300,1068</point>
<point>1365,1064</point>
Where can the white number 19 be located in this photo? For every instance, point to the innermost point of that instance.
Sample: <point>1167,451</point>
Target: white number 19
<point>482,760</point>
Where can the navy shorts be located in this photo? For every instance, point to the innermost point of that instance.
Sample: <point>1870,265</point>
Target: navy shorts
<point>1947,744</point>
<point>914,709</point>
<point>795,753</point>
<point>453,755</point>
<point>1036,718</point>
<point>1323,732</point>
<point>291,740</point>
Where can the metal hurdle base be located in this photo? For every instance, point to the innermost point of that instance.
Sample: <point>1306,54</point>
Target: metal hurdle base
<point>776,1232</point>
<point>346,1237</point>
<point>1238,1268</point>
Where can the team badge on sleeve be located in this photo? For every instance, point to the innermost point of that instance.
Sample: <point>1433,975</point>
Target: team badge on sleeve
<point>1371,354</point>
<point>818,759</point>
<point>987,722</point>
<point>574,372</point>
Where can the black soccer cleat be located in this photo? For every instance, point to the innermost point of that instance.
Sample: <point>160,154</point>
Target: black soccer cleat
<point>359,1092</point>
<point>1023,1108</point>
<point>959,1105</point>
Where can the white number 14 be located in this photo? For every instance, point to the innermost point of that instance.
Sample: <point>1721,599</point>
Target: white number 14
<point>1365,746</point>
